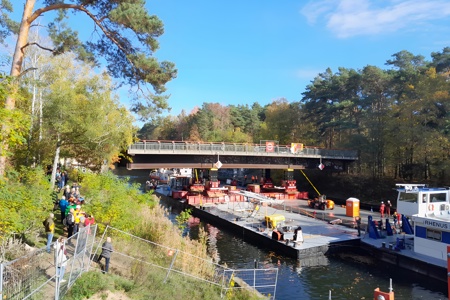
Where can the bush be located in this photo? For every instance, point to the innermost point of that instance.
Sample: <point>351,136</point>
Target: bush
<point>26,201</point>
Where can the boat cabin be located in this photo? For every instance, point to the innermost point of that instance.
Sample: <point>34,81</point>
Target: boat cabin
<point>419,199</point>
<point>430,213</point>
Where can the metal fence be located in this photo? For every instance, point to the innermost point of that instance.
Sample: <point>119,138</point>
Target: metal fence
<point>137,258</point>
<point>37,275</point>
<point>264,281</point>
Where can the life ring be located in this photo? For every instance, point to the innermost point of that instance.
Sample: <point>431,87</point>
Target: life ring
<point>431,207</point>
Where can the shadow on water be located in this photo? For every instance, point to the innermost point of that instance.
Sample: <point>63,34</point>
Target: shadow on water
<point>349,274</point>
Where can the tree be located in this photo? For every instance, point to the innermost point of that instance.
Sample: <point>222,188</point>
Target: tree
<point>279,121</point>
<point>128,58</point>
<point>82,119</point>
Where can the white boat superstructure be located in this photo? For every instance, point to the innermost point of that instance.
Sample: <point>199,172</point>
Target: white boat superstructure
<point>419,199</point>
<point>163,176</point>
<point>429,210</point>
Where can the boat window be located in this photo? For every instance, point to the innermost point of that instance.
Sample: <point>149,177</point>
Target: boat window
<point>434,235</point>
<point>408,197</point>
<point>438,197</point>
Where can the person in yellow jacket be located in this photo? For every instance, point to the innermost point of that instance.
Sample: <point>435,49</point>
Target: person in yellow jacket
<point>49,225</point>
<point>77,214</point>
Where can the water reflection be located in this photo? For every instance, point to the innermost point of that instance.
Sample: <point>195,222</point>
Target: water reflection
<point>347,276</point>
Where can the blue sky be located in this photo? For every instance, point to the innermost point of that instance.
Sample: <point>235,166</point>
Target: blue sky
<point>240,52</point>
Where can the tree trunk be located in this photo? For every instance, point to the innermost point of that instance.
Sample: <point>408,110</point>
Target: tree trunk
<point>55,162</point>
<point>16,68</point>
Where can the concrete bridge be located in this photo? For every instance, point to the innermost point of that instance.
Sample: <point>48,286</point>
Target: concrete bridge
<point>270,155</point>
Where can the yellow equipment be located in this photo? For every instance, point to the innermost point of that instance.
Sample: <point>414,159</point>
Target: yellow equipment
<point>274,219</point>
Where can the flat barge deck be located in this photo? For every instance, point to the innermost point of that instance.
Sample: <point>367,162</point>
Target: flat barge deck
<point>324,232</point>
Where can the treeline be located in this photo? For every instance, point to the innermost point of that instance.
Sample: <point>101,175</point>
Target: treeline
<point>397,118</point>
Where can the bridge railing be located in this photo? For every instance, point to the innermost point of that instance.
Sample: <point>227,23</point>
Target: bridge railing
<point>182,147</point>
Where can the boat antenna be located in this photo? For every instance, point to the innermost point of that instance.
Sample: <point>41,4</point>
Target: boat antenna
<point>390,285</point>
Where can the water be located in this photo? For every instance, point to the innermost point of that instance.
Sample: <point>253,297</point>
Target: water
<point>349,276</point>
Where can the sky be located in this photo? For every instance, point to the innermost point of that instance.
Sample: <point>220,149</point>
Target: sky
<point>240,52</point>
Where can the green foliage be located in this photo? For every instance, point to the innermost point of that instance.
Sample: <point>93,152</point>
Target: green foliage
<point>81,115</point>
<point>113,201</point>
<point>15,123</point>
<point>91,283</point>
<point>6,23</point>
<point>26,202</point>
<point>178,287</point>
<point>127,42</point>
<point>183,217</point>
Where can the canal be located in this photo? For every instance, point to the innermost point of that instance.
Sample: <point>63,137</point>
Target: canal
<point>349,275</point>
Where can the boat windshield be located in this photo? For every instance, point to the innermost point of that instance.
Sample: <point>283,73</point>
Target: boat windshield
<point>408,197</point>
<point>438,197</point>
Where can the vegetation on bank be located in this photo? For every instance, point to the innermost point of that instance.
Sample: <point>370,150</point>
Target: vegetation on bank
<point>150,287</point>
<point>117,203</point>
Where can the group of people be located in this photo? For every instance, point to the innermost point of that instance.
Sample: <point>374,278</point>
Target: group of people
<point>385,212</point>
<point>73,219</point>
<point>385,209</point>
<point>72,216</point>
<point>61,178</point>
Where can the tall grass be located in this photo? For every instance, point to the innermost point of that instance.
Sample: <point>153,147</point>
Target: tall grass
<point>115,202</point>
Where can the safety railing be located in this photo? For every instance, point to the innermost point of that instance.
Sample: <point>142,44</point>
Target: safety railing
<point>40,275</point>
<point>182,147</point>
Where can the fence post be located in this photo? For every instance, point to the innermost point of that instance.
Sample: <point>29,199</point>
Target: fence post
<point>171,265</point>
<point>99,243</point>
<point>58,274</point>
<point>69,283</point>
<point>94,234</point>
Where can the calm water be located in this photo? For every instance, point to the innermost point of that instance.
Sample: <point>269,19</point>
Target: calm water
<point>348,276</point>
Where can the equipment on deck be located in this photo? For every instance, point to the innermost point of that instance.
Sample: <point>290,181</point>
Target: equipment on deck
<point>321,202</point>
<point>274,220</point>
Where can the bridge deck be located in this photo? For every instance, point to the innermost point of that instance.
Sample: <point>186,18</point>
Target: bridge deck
<point>235,149</point>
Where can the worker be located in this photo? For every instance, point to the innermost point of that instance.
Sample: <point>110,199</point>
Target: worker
<point>358,225</point>
<point>382,208</point>
<point>388,208</point>
<point>394,218</point>
<point>276,235</point>
<point>298,236</point>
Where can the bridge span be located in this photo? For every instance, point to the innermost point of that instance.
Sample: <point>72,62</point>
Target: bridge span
<point>185,154</point>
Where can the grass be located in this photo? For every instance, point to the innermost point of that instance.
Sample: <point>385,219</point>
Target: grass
<point>177,287</point>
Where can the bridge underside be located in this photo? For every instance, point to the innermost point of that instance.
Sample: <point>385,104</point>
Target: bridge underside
<point>149,162</point>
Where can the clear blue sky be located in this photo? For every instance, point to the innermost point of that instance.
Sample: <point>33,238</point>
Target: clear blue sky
<point>238,52</point>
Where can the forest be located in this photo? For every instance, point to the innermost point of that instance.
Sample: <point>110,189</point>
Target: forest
<point>397,118</point>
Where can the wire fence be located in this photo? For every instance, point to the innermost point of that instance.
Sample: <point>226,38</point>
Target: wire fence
<point>42,275</point>
<point>137,258</point>
<point>39,275</point>
<point>264,281</point>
